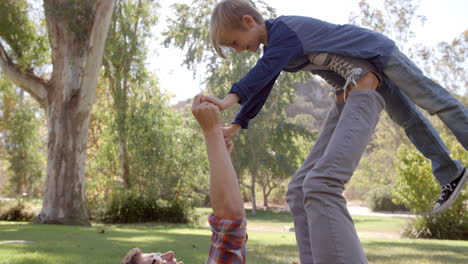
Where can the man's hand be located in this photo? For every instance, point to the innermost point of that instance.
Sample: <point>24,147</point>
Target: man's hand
<point>223,104</point>
<point>368,81</point>
<point>207,115</point>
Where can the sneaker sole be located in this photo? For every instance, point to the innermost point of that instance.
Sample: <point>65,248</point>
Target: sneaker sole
<point>454,195</point>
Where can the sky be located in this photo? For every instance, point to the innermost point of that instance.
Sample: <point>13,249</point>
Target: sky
<point>446,20</point>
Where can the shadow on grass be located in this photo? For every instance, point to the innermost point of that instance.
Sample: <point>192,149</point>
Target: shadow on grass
<point>415,251</point>
<point>269,216</point>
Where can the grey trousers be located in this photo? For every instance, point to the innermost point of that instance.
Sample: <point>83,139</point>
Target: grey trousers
<point>324,229</point>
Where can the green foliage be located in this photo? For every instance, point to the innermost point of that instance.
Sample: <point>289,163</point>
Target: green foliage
<point>442,226</point>
<point>18,212</point>
<point>22,142</point>
<point>165,149</point>
<point>167,152</point>
<point>417,189</point>
<point>130,207</point>
<point>139,142</point>
<point>125,70</point>
<point>76,15</point>
<point>381,199</point>
<point>28,43</point>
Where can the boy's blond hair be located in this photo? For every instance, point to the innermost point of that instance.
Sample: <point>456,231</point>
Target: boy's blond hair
<point>227,15</point>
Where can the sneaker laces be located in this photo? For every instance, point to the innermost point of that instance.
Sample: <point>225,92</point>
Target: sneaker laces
<point>346,70</point>
<point>446,188</point>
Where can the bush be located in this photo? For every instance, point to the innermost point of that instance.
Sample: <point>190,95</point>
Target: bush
<point>381,199</point>
<point>437,226</point>
<point>131,207</point>
<point>417,189</point>
<point>18,212</point>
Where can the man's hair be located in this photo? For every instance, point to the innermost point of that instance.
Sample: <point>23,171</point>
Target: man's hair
<point>132,256</point>
<point>227,15</point>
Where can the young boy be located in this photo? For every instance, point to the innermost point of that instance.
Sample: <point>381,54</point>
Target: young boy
<point>350,58</point>
<point>291,42</point>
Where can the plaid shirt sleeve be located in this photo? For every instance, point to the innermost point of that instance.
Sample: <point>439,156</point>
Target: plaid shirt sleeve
<point>228,241</point>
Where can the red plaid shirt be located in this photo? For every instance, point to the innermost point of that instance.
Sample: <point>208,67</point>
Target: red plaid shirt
<point>227,241</point>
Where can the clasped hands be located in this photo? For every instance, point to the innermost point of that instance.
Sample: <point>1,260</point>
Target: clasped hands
<point>207,111</point>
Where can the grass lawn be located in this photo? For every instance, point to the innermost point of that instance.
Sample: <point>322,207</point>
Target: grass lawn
<point>88,245</point>
<point>278,220</point>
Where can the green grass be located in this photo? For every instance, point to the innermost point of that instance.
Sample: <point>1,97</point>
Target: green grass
<point>278,219</point>
<point>71,244</point>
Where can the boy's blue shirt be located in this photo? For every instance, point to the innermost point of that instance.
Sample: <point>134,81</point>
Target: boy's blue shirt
<point>290,40</point>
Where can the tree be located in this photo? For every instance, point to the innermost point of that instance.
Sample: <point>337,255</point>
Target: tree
<point>189,31</point>
<point>124,64</point>
<point>76,32</point>
<point>284,151</point>
<point>166,154</point>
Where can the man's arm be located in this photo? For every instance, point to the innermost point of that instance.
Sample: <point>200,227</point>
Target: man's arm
<point>225,197</point>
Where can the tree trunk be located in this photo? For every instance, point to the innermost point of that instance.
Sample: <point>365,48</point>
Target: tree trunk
<point>265,197</point>
<point>125,161</point>
<point>252,191</point>
<point>77,37</point>
<point>64,197</point>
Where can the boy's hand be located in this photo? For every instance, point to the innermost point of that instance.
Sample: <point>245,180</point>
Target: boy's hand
<point>225,103</point>
<point>207,114</point>
<point>230,131</point>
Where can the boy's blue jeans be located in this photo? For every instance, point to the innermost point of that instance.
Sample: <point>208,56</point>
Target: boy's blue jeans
<point>432,97</point>
<point>420,131</point>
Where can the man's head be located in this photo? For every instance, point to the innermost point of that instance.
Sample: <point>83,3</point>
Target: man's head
<point>136,256</point>
<point>238,25</point>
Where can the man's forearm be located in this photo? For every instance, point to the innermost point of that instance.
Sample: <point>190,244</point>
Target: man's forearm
<point>225,196</point>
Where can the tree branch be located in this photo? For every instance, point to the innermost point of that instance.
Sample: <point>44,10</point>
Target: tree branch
<point>95,50</point>
<point>246,185</point>
<point>35,86</point>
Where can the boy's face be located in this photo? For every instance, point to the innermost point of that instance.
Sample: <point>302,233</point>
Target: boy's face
<point>248,39</point>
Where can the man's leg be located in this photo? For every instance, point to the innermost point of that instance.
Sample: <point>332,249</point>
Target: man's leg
<point>428,94</point>
<point>333,237</point>
<point>294,195</point>
<point>420,131</point>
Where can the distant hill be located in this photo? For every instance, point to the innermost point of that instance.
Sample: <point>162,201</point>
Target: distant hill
<point>309,109</point>
<point>311,106</point>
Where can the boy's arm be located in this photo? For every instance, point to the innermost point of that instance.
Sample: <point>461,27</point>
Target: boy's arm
<point>255,87</point>
<point>225,197</point>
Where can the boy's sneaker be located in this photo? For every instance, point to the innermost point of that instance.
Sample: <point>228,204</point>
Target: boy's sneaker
<point>450,193</point>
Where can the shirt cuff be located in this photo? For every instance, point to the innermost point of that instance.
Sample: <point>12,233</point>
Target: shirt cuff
<point>243,122</point>
<point>228,234</point>
<point>237,90</point>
